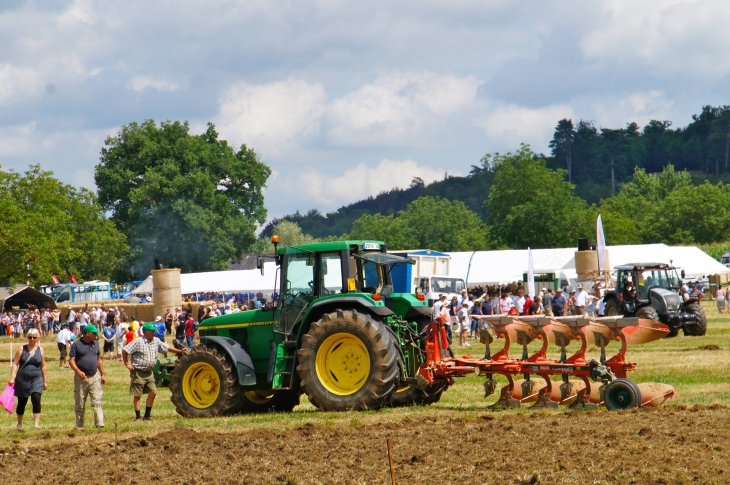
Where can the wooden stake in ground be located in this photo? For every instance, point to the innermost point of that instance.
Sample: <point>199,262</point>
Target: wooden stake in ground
<point>390,458</point>
<point>116,453</point>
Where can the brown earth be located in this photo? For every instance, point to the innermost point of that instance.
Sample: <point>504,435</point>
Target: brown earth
<point>672,445</point>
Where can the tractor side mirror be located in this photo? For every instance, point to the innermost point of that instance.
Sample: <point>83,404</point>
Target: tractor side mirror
<point>683,275</point>
<point>260,264</point>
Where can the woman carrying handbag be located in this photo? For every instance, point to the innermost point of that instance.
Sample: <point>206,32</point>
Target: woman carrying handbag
<point>29,376</point>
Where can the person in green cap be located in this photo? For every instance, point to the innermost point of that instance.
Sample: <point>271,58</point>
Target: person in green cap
<point>88,365</point>
<point>140,356</point>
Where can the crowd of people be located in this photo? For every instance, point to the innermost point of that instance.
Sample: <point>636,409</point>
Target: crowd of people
<point>460,311</point>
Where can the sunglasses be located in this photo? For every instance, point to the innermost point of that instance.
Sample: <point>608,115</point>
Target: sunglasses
<point>32,338</point>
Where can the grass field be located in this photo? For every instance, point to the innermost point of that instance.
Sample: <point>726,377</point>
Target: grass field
<point>698,373</point>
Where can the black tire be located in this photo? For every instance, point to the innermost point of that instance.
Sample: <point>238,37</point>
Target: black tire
<point>648,312</point>
<point>269,401</point>
<point>673,332</point>
<point>621,394</point>
<point>373,390</point>
<point>414,396</point>
<point>186,373</point>
<point>611,308</point>
<point>699,327</point>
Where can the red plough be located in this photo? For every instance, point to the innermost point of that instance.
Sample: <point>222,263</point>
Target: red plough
<point>602,382</point>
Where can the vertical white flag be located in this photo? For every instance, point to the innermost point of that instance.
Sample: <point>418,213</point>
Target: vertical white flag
<point>600,244</point>
<point>530,274</point>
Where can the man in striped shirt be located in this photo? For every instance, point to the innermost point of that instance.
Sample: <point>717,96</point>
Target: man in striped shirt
<point>143,352</point>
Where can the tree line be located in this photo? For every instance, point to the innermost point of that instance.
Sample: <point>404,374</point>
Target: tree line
<point>195,201</point>
<point>533,205</point>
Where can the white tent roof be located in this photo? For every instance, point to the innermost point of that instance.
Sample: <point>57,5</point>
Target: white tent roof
<point>490,267</point>
<point>145,288</point>
<point>222,281</point>
<point>231,281</point>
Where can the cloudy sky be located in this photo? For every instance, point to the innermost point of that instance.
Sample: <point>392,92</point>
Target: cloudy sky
<point>346,99</point>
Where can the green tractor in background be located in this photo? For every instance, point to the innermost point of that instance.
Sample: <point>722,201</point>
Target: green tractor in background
<point>339,335</point>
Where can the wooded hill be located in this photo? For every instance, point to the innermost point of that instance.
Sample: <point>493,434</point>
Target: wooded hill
<point>587,152</point>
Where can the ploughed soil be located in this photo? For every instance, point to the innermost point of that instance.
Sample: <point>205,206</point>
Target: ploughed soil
<point>671,445</point>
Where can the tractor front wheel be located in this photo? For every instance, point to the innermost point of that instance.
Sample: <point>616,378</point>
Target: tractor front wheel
<point>348,360</point>
<point>648,312</point>
<point>699,327</point>
<point>204,384</point>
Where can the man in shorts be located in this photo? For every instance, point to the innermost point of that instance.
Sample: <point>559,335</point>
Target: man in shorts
<point>140,356</point>
<point>108,334</point>
<point>63,340</point>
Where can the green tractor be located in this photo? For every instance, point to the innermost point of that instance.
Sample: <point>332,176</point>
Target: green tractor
<point>338,334</point>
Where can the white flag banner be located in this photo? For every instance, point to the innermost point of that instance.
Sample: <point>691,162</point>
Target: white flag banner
<point>600,244</point>
<point>530,274</point>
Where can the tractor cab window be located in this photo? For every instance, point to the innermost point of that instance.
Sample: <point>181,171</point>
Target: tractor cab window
<point>297,287</point>
<point>300,267</point>
<point>651,278</point>
<point>372,270</point>
<point>331,274</point>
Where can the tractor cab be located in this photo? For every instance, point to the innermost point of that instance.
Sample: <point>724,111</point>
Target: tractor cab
<point>639,279</point>
<point>313,272</point>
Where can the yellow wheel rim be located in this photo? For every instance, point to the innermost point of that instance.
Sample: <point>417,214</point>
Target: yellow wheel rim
<point>259,397</point>
<point>201,385</point>
<point>343,364</point>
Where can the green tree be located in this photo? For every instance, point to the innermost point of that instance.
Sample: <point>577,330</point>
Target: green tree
<point>532,206</point>
<point>562,144</point>
<point>51,227</point>
<point>695,214</point>
<point>633,214</point>
<point>427,222</point>
<point>189,199</point>
<point>290,234</point>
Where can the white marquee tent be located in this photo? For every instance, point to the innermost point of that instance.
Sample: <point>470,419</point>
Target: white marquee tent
<point>496,267</point>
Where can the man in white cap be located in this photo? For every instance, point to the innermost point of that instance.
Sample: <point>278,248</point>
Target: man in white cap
<point>581,300</point>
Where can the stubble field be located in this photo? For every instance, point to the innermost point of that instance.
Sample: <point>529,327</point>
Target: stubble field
<point>457,440</point>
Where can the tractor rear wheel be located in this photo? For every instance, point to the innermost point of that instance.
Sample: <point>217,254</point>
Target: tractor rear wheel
<point>204,384</point>
<point>262,401</point>
<point>611,308</point>
<point>699,327</point>
<point>348,360</point>
<point>621,394</point>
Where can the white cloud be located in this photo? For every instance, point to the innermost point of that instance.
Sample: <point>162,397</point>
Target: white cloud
<point>363,181</point>
<point>81,11</point>
<point>272,117</point>
<point>638,107</point>
<point>18,84</point>
<point>395,107</point>
<point>140,83</point>
<point>510,125</point>
<point>685,37</point>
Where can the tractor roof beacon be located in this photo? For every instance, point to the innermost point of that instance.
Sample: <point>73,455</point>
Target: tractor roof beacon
<point>338,333</point>
<point>654,291</point>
